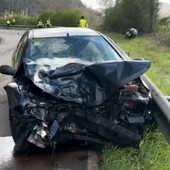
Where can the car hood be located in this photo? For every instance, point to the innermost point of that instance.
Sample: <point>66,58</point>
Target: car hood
<point>81,81</point>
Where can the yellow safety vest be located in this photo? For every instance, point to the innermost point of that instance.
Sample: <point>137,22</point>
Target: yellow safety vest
<point>13,20</point>
<point>40,23</point>
<point>48,22</point>
<point>8,22</point>
<point>83,23</point>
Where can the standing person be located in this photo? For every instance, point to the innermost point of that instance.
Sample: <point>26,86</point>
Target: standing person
<point>8,23</point>
<point>83,23</point>
<point>48,23</point>
<point>13,21</point>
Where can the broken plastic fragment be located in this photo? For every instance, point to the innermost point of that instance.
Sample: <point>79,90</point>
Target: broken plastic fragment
<point>54,130</point>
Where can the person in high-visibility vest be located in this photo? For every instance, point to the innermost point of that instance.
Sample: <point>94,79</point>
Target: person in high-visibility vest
<point>83,22</point>
<point>8,23</point>
<point>48,23</point>
<point>40,24</point>
<point>13,21</point>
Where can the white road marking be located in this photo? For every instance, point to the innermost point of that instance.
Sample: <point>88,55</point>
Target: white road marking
<point>93,161</point>
<point>6,149</point>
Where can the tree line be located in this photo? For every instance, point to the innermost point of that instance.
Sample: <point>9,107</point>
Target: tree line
<point>68,18</point>
<point>122,14</point>
<point>117,16</point>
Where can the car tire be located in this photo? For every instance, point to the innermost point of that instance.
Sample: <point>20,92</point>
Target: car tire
<point>13,128</point>
<point>15,135</point>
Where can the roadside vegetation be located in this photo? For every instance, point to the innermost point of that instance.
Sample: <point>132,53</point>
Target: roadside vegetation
<point>153,45</point>
<point>155,152</point>
<point>58,18</point>
<point>149,49</point>
<point>36,7</point>
<point>68,18</point>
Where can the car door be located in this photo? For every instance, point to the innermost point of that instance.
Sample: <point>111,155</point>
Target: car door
<point>18,51</point>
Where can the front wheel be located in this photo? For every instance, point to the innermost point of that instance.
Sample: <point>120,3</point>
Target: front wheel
<point>17,132</point>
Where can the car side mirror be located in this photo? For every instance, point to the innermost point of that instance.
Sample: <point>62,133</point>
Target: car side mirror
<point>7,70</point>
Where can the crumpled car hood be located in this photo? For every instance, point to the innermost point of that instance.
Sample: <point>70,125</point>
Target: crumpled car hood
<point>82,82</point>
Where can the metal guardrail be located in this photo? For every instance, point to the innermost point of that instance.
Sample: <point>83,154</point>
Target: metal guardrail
<point>22,26</point>
<point>161,106</point>
<point>17,26</point>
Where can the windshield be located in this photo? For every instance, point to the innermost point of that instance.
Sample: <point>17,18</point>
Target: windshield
<point>88,48</point>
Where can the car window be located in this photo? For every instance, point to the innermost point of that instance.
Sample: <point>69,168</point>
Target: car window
<point>21,40</point>
<point>20,49</point>
<point>88,48</point>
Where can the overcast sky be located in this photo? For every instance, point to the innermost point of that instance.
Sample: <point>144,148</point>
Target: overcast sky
<point>93,3</point>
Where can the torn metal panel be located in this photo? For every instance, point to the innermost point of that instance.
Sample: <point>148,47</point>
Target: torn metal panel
<point>88,84</point>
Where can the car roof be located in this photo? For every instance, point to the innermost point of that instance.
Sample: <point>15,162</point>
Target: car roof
<point>63,32</point>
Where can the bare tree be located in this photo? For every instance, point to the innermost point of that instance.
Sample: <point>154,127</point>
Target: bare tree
<point>105,4</point>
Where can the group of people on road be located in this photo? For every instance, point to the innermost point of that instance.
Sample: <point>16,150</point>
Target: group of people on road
<point>82,23</point>
<point>42,25</point>
<point>9,22</point>
<point>130,32</point>
<point>39,25</point>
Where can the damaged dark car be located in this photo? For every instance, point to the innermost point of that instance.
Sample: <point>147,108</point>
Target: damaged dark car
<point>74,84</point>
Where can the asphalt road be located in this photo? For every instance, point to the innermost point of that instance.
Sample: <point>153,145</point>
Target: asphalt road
<point>10,39</point>
<point>70,159</point>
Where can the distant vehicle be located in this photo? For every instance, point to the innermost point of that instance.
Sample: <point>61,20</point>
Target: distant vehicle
<point>75,84</point>
<point>131,33</point>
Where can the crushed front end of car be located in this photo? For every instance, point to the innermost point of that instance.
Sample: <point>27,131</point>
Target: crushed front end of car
<point>97,103</point>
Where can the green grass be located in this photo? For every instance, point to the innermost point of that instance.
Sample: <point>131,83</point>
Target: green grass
<point>155,151</point>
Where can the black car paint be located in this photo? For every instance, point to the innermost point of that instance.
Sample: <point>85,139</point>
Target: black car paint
<point>87,85</point>
<point>125,137</point>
